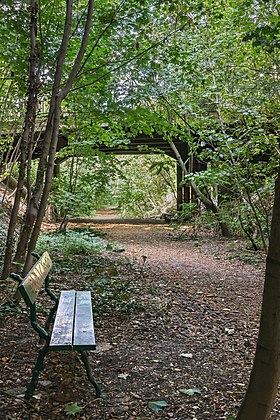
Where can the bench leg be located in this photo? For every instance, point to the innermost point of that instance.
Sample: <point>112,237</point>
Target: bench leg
<point>85,360</point>
<point>50,317</point>
<point>49,322</point>
<point>36,371</point>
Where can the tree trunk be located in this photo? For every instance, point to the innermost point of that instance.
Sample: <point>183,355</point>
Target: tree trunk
<point>33,206</point>
<point>12,183</point>
<point>28,131</point>
<point>205,200</point>
<point>46,190</point>
<point>55,121</point>
<point>265,375</point>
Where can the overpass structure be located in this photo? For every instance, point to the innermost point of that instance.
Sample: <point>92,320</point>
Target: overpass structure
<point>143,144</point>
<point>140,144</point>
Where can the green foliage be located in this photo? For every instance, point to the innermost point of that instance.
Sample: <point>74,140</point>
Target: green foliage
<point>139,186</point>
<point>9,308</point>
<point>72,242</point>
<point>3,235</point>
<point>244,191</point>
<point>72,204</point>
<point>265,36</point>
<point>8,304</point>
<point>195,217</point>
<point>146,187</point>
<point>14,45</point>
<point>206,72</point>
<point>187,212</point>
<point>80,251</point>
<point>76,253</point>
<point>83,185</point>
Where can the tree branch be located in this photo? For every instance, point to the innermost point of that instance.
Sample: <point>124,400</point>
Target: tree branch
<point>73,74</point>
<point>99,38</point>
<point>135,57</point>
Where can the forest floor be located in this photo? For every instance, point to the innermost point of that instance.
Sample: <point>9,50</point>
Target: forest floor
<point>188,341</point>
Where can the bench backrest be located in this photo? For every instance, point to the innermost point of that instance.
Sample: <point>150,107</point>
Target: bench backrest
<point>35,278</point>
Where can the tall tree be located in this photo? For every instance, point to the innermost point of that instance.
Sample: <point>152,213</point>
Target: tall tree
<point>28,133</point>
<point>264,32</point>
<point>37,204</point>
<point>265,375</point>
<point>35,213</point>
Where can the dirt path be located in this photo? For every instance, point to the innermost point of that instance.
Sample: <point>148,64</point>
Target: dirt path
<point>194,332</point>
<point>210,304</point>
<point>200,264</point>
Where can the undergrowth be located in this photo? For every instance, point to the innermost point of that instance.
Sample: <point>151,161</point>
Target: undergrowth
<point>80,262</point>
<point>112,294</point>
<point>71,242</point>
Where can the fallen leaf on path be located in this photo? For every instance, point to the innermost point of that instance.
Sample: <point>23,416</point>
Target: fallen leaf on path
<point>190,391</point>
<point>229,331</point>
<point>157,405</point>
<point>187,355</point>
<point>123,375</point>
<point>73,409</point>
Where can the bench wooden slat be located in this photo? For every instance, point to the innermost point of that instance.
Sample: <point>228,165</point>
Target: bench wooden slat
<point>84,338</point>
<point>62,334</point>
<point>34,280</point>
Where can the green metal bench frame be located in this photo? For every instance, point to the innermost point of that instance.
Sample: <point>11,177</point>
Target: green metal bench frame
<point>71,317</point>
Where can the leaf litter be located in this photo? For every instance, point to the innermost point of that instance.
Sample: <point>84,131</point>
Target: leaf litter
<point>174,345</point>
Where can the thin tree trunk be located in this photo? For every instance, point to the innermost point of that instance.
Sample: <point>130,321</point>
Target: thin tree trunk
<point>28,132</point>
<point>205,200</point>
<point>257,219</point>
<point>33,205</point>
<point>265,375</point>
<point>46,190</point>
<point>55,130</point>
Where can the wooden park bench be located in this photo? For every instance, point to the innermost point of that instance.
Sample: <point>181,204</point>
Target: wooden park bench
<point>71,317</point>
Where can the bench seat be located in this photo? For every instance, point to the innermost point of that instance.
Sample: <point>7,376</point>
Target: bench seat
<point>71,317</point>
<point>73,327</point>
